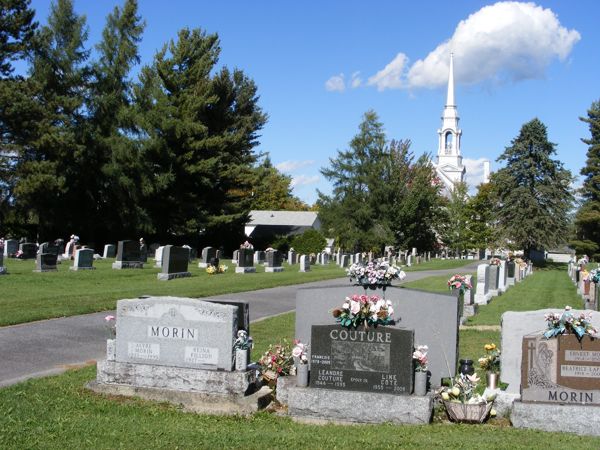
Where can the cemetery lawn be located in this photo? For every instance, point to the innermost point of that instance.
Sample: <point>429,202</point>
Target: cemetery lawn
<point>58,412</point>
<point>438,264</point>
<point>27,296</point>
<point>548,287</point>
<point>437,284</point>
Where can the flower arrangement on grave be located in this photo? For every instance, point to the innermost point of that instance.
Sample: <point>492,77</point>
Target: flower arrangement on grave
<point>463,404</point>
<point>420,358</point>
<point>214,270</point>
<point>582,261</point>
<point>111,325</point>
<point>375,273</point>
<point>585,276</point>
<point>299,352</point>
<point>244,341</point>
<point>364,310</point>
<point>276,362</point>
<point>247,246</point>
<point>491,360</point>
<point>595,275</point>
<point>459,282</point>
<point>569,323</point>
<point>495,262</point>
<point>521,262</point>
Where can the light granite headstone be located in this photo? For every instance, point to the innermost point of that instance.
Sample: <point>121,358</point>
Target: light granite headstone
<point>84,259</point>
<point>208,253</point>
<point>482,295</point>
<point>515,326</point>
<point>304,264</point>
<point>110,251</point>
<point>292,257</point>
<point>178,332</point>
<point>11,246</point>
<point>502,286</point>
<point>175,263</point>
<point>2,268</point>
<point>158,256</point>
<point>434,317</point>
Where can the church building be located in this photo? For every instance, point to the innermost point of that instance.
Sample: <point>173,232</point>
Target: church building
<point>449,165</point>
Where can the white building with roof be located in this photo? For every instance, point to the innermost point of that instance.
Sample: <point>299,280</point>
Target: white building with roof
<point>281,222</point>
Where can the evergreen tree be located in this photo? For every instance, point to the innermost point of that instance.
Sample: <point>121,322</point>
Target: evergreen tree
<point>454,229</point>
<point>272,189</point>
<point>533,191</point>
<point>480,210</point>
<point>17,29</point>
<point>50,159</point>
<point>201,131</point>
<point>112,148</point>
<point>587,220</point>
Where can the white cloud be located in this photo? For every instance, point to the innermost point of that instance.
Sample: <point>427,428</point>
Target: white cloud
<point>506,41</point>
<point>336,83</point>
<point>355,81</point>
<point>391,76</point>
<point>303,180</point>
<point>290,166</point>
<point>474,176</point>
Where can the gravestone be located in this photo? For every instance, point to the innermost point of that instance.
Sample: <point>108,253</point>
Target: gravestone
<point>242,316</point>
<point>175,263</point>
<point>482,296</point>
<point>274,261</point>
<point>208,253</point>
<point>11,246</point>
<point>344,261</point>
<point>358,258</point>
<point>409,261</point>
<point>109,251</point>
<point>304,264</point>
<point>414,251</point>
<point>158,256</point>
<point>292,257</point>
<point>143,252</point>
<point>510,273</point>
<point>128,256</point>
<point>45,262</point>
<point>259,257</point>
<point>29,250</point>
<point>235,256</point>
<point>502,286</point>
<point>2,268</point>
<point>245,262</point>
<point>374,360</point>
<point>84,259</point>
<point>412,310</point>
<point>493,273</point>
<point>192,253</point>
<point>178,332</point>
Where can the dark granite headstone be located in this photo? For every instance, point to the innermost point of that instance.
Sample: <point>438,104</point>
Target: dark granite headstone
<point>45,262</point>
<point>510,269</point>
<point>494,272</point>
<point>245,257</point>
<point>143,253</point>
<point>109,251</point>
<point>84,259</point>
<point>243,312</point>
<point>128,256</point>
<point>374,360</point>
<point>29,250</point>
<point>11,246</point>
<point>175,263</point>
<point>208,253</point>
<point>274,261</point>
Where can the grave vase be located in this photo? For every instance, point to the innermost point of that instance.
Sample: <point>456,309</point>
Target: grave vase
<point>241,359</point>
<point>420,383</point>
<point>491,379</point>
<point>302,375</point>
<point>466,367</point>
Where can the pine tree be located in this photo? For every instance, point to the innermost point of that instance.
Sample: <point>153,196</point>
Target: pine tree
<point>272,189</point>
<point>533,191</point>
<point>480,210</point>
<point>587,220</point>
<point>201,131</point>
<point>17,29</point>
<point>454,229</point>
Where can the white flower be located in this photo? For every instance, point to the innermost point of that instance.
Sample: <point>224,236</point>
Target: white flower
<point>296,352</point>
<point>346,305</point>
<point>390,310</point>
<point>354,307</point>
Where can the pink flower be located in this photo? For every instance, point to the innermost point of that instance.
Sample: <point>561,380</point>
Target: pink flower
<point>354,307</point>
<point>109,318</point>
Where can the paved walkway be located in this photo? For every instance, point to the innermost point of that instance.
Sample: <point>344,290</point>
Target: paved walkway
<point>51,346</point>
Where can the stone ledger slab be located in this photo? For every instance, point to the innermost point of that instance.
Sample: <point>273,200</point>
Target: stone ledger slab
<point>578,419</point>
<point>328,405</point>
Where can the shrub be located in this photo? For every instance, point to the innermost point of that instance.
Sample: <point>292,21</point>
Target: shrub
<point>311,241</point>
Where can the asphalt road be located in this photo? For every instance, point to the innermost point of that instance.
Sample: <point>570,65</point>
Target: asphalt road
<point>52,346</point>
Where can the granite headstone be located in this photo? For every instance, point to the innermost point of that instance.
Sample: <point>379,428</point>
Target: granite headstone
<point>175,263</point>
<point>84,259</point>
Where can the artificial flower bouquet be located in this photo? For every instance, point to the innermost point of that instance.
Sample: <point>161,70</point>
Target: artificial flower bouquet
<point>214,270</point>
<point>299,352</point>
<point>375,273</point>
<point>463,404</point>
<point>459,282</point>
<point>491,360</point>
<point>277,361</point>
<point>495,262</point>
<point>364,310</point>
<point>243,341</point>
<point>569,323</point>
<point>420,358</point>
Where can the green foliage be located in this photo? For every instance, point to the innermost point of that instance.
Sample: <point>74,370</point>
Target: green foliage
<point>454,229</point>
<point>281,243</point>
<point>533,191</point>
<point>480,210</point>
<point>17,30</point>
<point>587,219</point>
<point>311,241</point>
<point>272,190</point>
<point>381,196</point>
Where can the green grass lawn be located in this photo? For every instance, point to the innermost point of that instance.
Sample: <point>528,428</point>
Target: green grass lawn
<point>59,413</point>
<point>26,296</point>
<point>438,283</point>
<point>438,264</point>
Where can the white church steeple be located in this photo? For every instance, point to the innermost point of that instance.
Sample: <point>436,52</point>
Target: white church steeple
<point>449,164</point>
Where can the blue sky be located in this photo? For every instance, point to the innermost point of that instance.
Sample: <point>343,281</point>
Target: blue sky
<point>320,66</point>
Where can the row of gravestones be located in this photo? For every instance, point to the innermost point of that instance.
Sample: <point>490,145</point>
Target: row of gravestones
<point>46,256</point>
<point>495,279</point>
<point>404,258</point>
<point>588,290</point>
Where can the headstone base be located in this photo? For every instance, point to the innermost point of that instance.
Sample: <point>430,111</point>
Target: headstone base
<point>328,405</point>
<point>171,276</point>
<point>202,265</point>
<point>3,271</point>
<point>128,265</point>
<point>273,269</point>
<point>245,269</point>
<point>510,281</point>
<point>469,310</point>
<point>482,299</point>
<point>192,401</point>
<point>47,269</point>
<point>215,382</point>
<point>552,417</point>
<point>82,268</point>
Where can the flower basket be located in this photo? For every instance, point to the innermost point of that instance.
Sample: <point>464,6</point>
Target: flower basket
<point>468,412</point>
